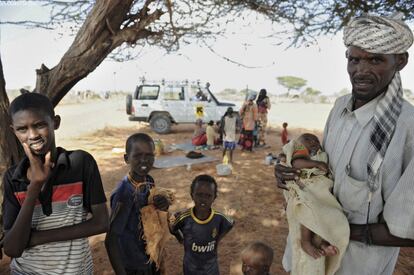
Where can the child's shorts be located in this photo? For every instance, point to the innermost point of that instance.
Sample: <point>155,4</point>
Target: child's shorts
<point>231,145</point>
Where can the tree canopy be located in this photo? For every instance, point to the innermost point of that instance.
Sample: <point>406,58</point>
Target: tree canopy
<point>304,20</point>
<point>108,27</point>
<point>309,91</point>
<point>291,82</point>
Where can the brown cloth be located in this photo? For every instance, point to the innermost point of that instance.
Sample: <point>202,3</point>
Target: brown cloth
<point>155,224</point>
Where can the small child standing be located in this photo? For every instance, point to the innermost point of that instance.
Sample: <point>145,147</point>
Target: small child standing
<point>229,126</point>
<point>257,258</point>
<point>124,241</point>
<point>284,135</point>
<point>200,229</point>
<point>211,135</point>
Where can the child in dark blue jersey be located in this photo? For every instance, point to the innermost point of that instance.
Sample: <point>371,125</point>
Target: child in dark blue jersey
<point>200,229</point>
<point>124,241</point>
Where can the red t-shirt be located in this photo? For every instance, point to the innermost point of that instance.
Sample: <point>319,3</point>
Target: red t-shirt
<point>284,136</point>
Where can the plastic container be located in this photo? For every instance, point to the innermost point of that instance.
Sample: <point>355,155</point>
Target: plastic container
<point>223,169</point>
<point>268,159</point>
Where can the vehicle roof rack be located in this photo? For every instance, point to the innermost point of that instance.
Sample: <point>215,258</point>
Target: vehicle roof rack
<point>164,82</point>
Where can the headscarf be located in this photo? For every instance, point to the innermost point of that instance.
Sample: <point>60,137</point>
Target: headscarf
<point>378,34</point>
<point>261,97</point>
<point>251,97</point>
<point>381,35</point>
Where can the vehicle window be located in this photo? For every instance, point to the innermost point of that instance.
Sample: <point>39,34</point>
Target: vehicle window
<point>174,93</point>
<point>148,92</point>
<point>198,94</point>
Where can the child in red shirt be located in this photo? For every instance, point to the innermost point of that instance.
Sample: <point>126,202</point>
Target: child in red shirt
<point>284,133</point>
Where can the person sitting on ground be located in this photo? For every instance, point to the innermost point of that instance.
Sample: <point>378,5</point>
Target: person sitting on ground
<point>124,242</point>
<point>284,135</point>
<point>312,206</point>
<point>211,135</point>
<point>229,128</point>
<point>53,199</point>
<point>201,228</point>
<point>257,258</point>
<point>199,135</point>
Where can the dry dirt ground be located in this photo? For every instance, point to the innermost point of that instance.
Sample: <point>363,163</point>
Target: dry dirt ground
<point>249,194</point>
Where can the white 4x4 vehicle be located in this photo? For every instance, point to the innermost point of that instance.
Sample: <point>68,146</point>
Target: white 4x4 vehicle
<point>162,104</point>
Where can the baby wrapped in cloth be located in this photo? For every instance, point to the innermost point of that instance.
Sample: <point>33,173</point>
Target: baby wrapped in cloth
<point>314,206</point>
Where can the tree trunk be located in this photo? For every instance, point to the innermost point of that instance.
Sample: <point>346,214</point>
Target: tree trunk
<point>100,34</point>
<point>109,24</point>
<point>10,149</point>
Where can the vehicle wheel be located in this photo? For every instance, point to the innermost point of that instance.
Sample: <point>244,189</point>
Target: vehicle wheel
<point>160,123</point>
<point>129,104</point>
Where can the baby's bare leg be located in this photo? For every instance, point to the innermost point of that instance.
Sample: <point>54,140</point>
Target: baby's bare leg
<point>307,245</point>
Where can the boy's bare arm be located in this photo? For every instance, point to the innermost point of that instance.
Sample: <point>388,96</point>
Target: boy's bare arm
<point>112,244</point>
<point>96,225</point>
<point>174,230</point>
<point>17,238</point>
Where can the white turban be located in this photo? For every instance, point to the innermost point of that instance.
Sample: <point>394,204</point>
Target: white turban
<point>377,34</point>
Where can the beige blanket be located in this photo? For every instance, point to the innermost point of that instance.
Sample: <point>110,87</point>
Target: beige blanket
<point>316,208</point>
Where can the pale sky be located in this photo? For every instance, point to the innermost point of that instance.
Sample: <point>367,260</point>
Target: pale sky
<point>323,66</point>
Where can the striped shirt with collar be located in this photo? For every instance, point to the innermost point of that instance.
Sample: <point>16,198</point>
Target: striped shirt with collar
<point>76,187</point>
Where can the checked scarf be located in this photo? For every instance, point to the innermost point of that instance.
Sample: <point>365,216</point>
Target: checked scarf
<point>383,127</point>
<point>383,35</point>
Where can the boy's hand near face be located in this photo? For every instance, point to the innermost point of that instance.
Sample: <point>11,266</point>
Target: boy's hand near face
<point>161,203</point>
<point>39,171</point>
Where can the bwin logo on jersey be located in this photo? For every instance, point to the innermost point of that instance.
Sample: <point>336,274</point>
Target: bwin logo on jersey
<point>204,248</point>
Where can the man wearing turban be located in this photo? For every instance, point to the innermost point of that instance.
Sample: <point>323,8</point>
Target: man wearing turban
<point>369,138</point>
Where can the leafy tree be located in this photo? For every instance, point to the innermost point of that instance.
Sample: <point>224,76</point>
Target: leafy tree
<point>109,28</point>
<point>304,20</point>
<point>408,93</point>
<point>343,91</point>
<point>246,91</point>
<point>228,91</point>
<point>311,92</point>
<point>291,82</point>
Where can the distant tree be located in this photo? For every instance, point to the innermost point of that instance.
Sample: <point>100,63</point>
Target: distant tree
<point>343,91</point>
<point>291,82</point>
<point>229,91</point>
<point>246,91</point>
<point>323,99</point>
<point>408,93</point>
<point>311,92</point>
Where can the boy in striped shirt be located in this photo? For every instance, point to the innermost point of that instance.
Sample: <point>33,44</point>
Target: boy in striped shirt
<point>53,199</point>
